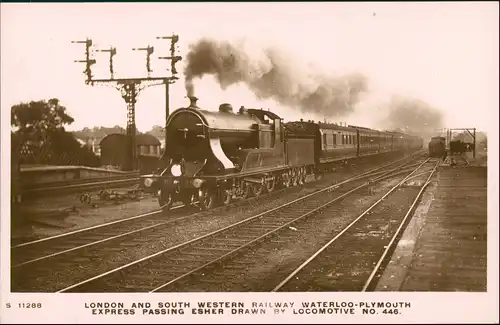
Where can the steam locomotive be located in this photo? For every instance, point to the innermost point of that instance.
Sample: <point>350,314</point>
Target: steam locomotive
<point>215,157</point>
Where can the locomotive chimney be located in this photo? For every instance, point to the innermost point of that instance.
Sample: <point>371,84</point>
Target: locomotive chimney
<point>193,100</point>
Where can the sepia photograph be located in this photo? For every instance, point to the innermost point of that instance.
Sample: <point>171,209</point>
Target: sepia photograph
<point>284,162</point>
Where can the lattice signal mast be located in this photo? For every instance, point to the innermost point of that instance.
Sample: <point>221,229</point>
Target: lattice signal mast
<point>131,87</point>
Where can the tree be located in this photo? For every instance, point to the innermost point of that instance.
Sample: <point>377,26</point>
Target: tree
<point>40,116</point>
<point>43,140</point>
<point>157,131</point>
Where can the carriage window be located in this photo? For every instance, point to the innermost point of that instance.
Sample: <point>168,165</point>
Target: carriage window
<point>324,139</point>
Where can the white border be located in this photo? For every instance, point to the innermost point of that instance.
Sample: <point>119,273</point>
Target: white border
<point>425,307</point>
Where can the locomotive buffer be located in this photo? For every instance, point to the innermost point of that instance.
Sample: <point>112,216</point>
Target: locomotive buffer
<point>131,87</point>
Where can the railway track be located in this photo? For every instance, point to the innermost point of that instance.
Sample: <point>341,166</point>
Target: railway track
<point>262,268</point>
<point>38,250</point>
<point>43,249</point>
<point>151,274</point>
<point>354,258</point>
<point>459,160</point>
<point>79,186</point>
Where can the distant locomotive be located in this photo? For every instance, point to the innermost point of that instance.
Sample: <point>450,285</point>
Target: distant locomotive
<point>215,157</point>
<point>457,147</point>
<point>437,147</point>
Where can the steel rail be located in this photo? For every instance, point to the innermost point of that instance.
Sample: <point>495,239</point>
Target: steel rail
<point>266,235</point>
<point>119,235</point>
<point>82,186</point>
<point>260,215</point>
<point>393,239</point>
<point>85,229</point>
<point>107,238</point>
<point>139,216</point>
<point>318,252</point>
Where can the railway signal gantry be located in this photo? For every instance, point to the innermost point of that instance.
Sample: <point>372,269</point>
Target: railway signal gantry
<point>130,87</point>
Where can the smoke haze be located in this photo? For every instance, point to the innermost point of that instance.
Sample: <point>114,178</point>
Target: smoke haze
<point>270,75</point>
<point>412,115</point>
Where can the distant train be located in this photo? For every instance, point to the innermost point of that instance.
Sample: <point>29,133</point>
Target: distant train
<point>437,147</point>
<point>460,147</point>
<point>216,157</point>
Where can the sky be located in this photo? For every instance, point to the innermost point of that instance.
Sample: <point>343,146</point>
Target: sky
<point>445,54</point>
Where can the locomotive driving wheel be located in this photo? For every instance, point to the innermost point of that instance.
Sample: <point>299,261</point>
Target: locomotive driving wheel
<point>243,190</point>
<point>257,189</point>
<point>165,199</point>
<point>187,199</point>
<point>287,179</point>
<point>207,198</point>
<point>318,174</point>
<point>295,177</point>
<point>226,196</point>
<point>270,184</point>
<point>302,176</point>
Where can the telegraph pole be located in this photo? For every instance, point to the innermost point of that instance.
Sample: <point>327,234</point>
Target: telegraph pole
<point>131,87</point>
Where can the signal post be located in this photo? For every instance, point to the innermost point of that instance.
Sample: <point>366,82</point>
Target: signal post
<point>131,87</point>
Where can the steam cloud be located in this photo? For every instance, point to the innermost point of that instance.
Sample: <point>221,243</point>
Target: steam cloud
<point>413,115</point>
<point>269,75</point>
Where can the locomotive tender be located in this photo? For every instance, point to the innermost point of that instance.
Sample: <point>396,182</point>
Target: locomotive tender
<point>437,147</point>
<point>215,157</point>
